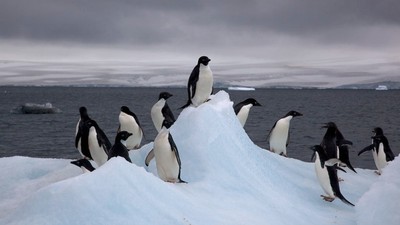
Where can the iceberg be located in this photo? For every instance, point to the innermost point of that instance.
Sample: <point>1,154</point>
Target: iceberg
<point>230,181</point>
<point>241,88</point>
<point>34,108</point>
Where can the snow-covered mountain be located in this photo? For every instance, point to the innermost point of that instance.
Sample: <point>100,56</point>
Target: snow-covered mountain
<point>298,75</point>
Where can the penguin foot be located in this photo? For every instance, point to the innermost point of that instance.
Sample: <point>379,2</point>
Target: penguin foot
<point>377,172</point>
<point>327,198</point>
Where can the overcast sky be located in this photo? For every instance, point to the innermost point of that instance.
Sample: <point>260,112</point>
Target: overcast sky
<point>227,30</point>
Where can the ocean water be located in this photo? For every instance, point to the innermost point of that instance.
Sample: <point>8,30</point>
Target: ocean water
<point>356,113</point>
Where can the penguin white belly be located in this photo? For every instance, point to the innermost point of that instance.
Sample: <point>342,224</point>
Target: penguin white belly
<point>97,152</point>
<point>381,159</point>
<point>243,114</point>
<point>279,136</point>
<point>156,114</point>
<point>204,86</point>
<point>166,162</point>
<point>323,177</point>
<point>128,123</point>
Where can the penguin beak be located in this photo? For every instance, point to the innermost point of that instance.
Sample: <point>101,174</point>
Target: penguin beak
<point>326,125</point>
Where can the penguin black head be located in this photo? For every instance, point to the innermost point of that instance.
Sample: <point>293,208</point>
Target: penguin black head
<point>330,125</point>
<point>164,95</point>
<point>203,60</point>
<point>123,135</point>
<point>125,109</point>
<point>167,124</point>
<point>293,113</point>
<point>83,112</point>
<point>251,101</point>
<point>83,163</point>
<point>378,131</point>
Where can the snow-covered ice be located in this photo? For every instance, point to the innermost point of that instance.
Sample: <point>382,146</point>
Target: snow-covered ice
<point>230,181</point>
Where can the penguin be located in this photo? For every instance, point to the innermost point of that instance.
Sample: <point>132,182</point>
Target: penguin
<point>200,83</point>
<point>332,140</point>
<point>166,153</point>
<point>150,155</point>
<point>90,139</point>
<point>84,164</point>
<point>129,122</point>
<point>326,172</point>
<point>84,117</point>
<point>381,151</point>
<point>242,109</point>
<point>161,111</point>
<point>119,148</point>
<point>279,134</point>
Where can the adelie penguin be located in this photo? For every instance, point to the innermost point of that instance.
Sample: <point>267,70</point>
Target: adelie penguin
<point>129,122</point>
<point>166,153</point>
<point>242,109</point>
<point>90,139</point>
<point>200,83</point>
<point>335,145</point>
<point>161,111</point>
<point>279,135</point>
<point>84,164</point>
<point>380,148</point>
<point>119,149</point>
<point>326,171</point>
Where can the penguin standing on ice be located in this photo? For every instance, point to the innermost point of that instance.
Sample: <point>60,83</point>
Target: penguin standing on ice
<point>161,111</point>
<point>90,139</point>
<point>336,146</point>
<point>84,164</point>
<point>242,109</point>
<point>325,169</point>
<point>381,151</point>
<point>119,148</point>
<point>200,83</point>
<point>129,122</point>
<point>279,135</point>
<point>166,153</point>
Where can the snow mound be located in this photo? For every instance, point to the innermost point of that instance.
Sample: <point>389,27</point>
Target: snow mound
<point>230,181</point>
<point>379,205</point>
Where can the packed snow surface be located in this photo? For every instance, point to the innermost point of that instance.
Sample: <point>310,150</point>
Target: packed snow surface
<point>230,181</point>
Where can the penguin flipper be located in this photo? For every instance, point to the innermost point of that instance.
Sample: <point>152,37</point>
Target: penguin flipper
<point>103,140</point>
<point>333,178</point>
<point>149,157</point>
<point>368,148</point>
<point>344,142</point>
<point>194,77</point>
<point>77,137</point>
<point>174,149</point>
<point>388,152</point>
<point>191,86</point>
<point>85,142</point>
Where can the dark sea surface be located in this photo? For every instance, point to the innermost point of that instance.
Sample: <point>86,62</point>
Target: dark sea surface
<point>356,113</point>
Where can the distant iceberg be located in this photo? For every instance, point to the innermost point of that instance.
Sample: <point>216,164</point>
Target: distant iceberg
<point>33,108</point>
<point>382,88</point>
<point>241,88</point>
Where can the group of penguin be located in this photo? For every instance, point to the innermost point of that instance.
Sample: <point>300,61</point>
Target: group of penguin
<point>331,155</point>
